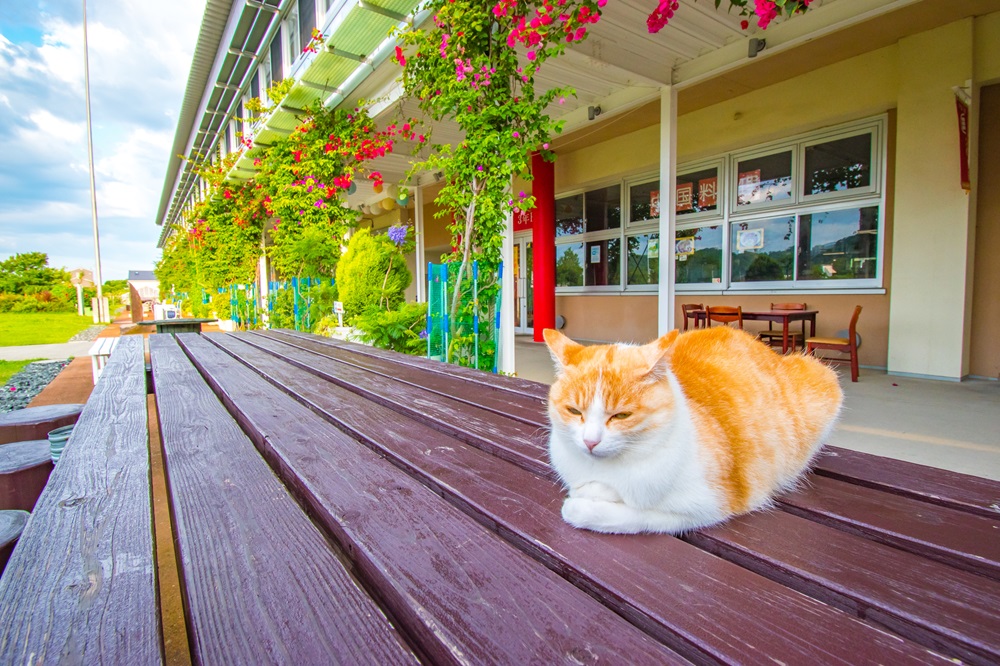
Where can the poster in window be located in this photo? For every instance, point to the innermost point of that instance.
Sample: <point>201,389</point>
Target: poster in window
<point>748,187</point>
<point>685,197</point>
<point>595,254</point>
<point>749,239</point>
<point>654,203</point>
<point>684,246</point>
<point>653,250</point>
<point>708,190</point>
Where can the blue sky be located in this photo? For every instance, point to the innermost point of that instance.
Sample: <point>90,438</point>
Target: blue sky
<point>140,55</point>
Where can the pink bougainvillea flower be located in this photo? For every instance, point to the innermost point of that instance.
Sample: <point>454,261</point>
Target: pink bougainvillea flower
<point>517,135</point>
<point>545,146</point>
<point>531,55</point>
<point>400,58</point>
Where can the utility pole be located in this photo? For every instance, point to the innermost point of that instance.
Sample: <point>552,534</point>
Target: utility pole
<point>100,310</point>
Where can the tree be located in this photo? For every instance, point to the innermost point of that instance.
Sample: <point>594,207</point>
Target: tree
<point>29,273</point>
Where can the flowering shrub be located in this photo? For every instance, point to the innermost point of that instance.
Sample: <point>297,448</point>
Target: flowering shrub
<point>765,11</point>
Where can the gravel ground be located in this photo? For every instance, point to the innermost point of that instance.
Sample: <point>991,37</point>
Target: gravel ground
<point>25,385</point>
<point>88,334</point>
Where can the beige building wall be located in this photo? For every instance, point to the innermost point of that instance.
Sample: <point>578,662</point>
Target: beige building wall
<point>984,357</point>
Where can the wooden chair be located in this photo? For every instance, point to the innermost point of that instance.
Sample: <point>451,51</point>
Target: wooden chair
<point>774,337</point>
<point>724,314</point>
<point>688,308</point>
<point>848,345</point>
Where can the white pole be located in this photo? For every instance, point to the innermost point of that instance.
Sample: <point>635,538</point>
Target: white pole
<point>668,194</point>
<point>101,310</point>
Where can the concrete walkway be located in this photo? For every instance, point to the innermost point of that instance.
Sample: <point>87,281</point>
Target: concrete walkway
<point>46,352</point>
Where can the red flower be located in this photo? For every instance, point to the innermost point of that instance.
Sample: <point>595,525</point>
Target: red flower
<point>400,58</point>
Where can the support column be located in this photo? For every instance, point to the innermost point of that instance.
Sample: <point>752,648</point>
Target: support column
<point>506,361</point>
<point>543,244</point>
<point>668,196</point>
<point>418,229</point>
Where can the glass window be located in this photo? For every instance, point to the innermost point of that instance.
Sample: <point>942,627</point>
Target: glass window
<point>764,179</point>
<point>291,30</point>
<point>697,191</point>
<point>698,255</point>
<point>643,259</point>
<point>839,245</point>
<point>762,250</point>
<point>255,84</point>
<point>839,165</point>
<point>603,208</point>
<point>275,73</point>
<point>603,263</point>
<point>569,265</point>
<point>644,202</point>
<point>307,21</point>
<point>569,215</point>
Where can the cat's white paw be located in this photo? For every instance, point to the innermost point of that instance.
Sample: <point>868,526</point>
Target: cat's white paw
<point>596,515</point>
<point>595,490</point>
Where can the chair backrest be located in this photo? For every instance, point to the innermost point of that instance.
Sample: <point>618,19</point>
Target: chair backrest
<point>724,314</point>
<point>788,306</point>
<point>687,308</point>
<point>852,330</point>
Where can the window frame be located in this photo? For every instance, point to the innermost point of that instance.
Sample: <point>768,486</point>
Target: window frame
<point>721,196</point>
<point>877,150</point>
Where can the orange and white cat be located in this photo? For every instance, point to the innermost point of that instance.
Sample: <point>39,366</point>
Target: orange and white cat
<point>683,432</point>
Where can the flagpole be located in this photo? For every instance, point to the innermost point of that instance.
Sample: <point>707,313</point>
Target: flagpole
<point>101,312</point>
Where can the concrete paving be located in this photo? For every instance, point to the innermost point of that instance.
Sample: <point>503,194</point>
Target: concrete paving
<point>951,425</point>
<point>59,352</point>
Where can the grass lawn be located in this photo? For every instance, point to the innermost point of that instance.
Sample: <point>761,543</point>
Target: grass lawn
<point>10,368</point>
<point>43,328</point>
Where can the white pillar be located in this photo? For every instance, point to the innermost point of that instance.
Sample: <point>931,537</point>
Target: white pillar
<point>418,229</point>
<point>506,361</point>
<point>668,196</point>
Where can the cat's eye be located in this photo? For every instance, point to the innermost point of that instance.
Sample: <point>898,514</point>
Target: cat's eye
<point>622,415</point>
<point>574,411</point>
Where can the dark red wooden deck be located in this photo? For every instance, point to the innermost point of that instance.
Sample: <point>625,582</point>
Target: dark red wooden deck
<point>334,503</point>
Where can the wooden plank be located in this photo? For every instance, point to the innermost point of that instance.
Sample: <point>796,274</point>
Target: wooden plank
<point>937,486</point>
<point>521,442</point>
<point>463,594</point>
<point>260,583</point>
<point>81,584</point>
<point>528,408</point>
<point>954,537</point>
<point>676,592</point>
<point>471,375</point>
<point>948,610</point>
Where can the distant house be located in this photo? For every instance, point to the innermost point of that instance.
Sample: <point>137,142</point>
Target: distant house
<point>144,289</point>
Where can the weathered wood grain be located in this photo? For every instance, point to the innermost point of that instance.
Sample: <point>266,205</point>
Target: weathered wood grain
<point>24,470</point>
<point>81,586</point>
<point>12,523</point>
<point>703,606</point>
<point>949,610</point>
<point>521,442</point>
<point>954,537</point>
<point>30,423</point>
<point>260,582</point>
<point>929,484</point>
<point>464,595</point>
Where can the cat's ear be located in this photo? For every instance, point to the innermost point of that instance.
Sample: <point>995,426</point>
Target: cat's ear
<point>657,353</point>
<point>561,347</point>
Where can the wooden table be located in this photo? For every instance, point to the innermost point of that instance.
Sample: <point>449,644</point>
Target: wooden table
<point>783,317</point>
<point>335,503</point>
<point>178,325</point>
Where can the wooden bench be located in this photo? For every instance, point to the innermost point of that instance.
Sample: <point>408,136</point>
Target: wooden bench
<point>99,353</point>
<point>81,583</point>
<point>335,503</point>
<point>30,423</point>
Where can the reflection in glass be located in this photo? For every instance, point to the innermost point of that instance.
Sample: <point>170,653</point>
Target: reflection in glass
<point>569,265</point>
<point>644,202</point>
<point>603,263</point>
<point>643,259</point>
<point>762,250</point>
<point>603,208</point>
<point>569,215</point>
<point>839,165</point>
<point>839,245</point>
<point>698,255</point>
<point>697,191</point>
<point>764,179</point>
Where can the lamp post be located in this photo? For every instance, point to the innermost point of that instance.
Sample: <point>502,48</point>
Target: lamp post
<point>100,311</point>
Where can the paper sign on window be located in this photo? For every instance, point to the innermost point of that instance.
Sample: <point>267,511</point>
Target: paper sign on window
<point>685,197</point>
<point>708,190</point>
<point>653,251</point>
<point>595,254</point>
<point>748,187</point>
<point>750,239</point>
<point>654,204</point>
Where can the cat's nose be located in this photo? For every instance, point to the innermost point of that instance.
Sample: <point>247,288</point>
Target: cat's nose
<point>591,443</point>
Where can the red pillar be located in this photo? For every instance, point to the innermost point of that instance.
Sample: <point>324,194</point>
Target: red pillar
<point>543,241</point>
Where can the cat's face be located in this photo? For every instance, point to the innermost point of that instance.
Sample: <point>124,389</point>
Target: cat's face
<point>607,398</point>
